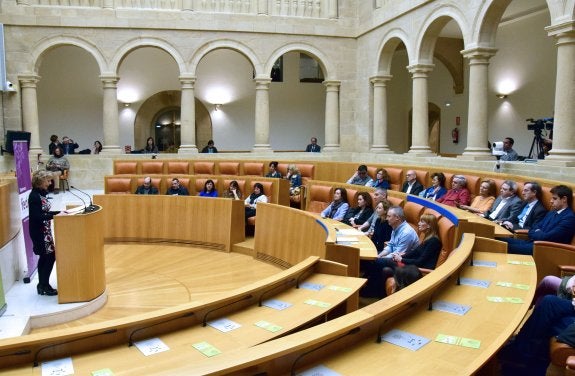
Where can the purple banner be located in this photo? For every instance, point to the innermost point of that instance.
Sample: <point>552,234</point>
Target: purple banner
<point>24,187</point>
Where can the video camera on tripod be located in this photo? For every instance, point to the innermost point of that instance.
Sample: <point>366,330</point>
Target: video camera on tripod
<point>537,126</point>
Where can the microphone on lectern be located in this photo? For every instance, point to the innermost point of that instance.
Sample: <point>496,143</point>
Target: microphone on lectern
<point>90,208</point>
<point>83,202</point>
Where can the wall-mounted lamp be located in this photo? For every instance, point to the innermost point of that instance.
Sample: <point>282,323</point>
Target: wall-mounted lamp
<point>501,96</point>
<point>217,106</point>
<point>447,104</point>
<point>126,104</point>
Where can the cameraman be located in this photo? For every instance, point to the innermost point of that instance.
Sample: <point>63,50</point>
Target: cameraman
<point>510,154</point>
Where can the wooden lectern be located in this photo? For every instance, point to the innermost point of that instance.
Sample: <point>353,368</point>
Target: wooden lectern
<point>80,256</point>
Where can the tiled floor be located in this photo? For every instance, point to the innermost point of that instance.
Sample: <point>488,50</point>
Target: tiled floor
<point>24,306</point>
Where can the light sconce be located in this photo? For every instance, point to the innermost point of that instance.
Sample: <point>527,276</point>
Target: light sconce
<point>447,104</point>
<point>127,104</point>
<point>217,106</point>
<point>501,96</point>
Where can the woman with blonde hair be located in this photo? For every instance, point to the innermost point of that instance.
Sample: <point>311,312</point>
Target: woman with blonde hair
<point>427,253</point>
<point>484,200</point>
<point>294,177</point>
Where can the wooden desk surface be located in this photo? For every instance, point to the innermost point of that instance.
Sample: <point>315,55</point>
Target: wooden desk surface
<point>367,250</point>
<point>129,360</point>
<point>491,323</point>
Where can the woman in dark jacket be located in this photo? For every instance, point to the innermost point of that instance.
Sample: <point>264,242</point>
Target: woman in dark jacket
<point>426,255</point>
<point>40,229</point>
<point>357,216</point>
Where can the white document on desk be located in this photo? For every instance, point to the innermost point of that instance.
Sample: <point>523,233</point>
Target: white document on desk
<point>349,232</point>
<point>347,239</point>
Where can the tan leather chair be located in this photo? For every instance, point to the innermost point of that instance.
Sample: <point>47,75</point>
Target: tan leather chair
<point>254,169</point>
<point>125,168</point>
<point>152,167</point>
<point>179,167</point>
<point>204,168</point>
<point>64,184</point>
<point>319,198</point>
<point>229,168</point>
<point>118,185</point>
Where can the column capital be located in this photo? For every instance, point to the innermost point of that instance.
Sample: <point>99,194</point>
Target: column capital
<point>380,80</point>
<point>28,80</point>
<point>332,84</point>
<point>109,80</point>
<point>420,70</point>
<point>562,29</point>
<point>187,81</point>
<point>263,83</point>
<point>479,54</point>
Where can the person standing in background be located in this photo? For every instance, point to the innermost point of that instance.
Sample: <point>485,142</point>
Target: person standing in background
<point>54,143</point>
<point>313,147</point>
<point>69,146</point>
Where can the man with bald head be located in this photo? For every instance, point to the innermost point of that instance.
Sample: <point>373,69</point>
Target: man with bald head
<point>147,188</point>
<point>411,185</point>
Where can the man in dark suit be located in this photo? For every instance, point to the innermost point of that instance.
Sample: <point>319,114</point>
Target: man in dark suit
<point>557,226</point>
<point>507,206</point>
<point>69,146</point>
<point>147,188</point>
<point>532,212</point>
<point>411,185</point>
<point>313,147</point>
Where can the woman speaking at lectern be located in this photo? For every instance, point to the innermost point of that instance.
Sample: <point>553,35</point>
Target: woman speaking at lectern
<point>41,230</point>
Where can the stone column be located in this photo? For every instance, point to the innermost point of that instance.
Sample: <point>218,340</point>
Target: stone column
<point>420,121</point>
<point>331,116</point>
<point>30,121</point>
<point>380,114</point>
<point>478,91</point>
<point>111,121</point>
<point>563,151</point>
<point>263,7</point>
<point>262,118</point>
<point>188,116</point>
<point>108,4</point>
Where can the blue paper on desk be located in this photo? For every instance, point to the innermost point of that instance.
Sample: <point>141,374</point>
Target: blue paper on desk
<point>457,309</point>
<point>475,282</point>
<point>487,264</point>
<point>404,339</point>
<point>312,286</point>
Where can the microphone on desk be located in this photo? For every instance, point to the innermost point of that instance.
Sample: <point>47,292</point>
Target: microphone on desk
<point>90,208</point>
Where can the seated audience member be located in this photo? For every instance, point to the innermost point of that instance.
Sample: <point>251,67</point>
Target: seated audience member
<point>528,352</point>
<point>437,188</point>
<point>557,226</point>
<point>356,216</point>
<point>57,164</point>
<point>458,194</point>
<point>381,180</point>
<point>427,253</point>
<point>210,148</point>
<point>484,200</point>
<point>273,171</point>
<point>294,177</point>
<point>147,188</point>
<point>176,189</point>
<point>379,195</point>
<point>209,189</point>
<point>510,154</point>
<point>533,211</point>
<point>150,147</point>
<point>552,285</point>
<point>338,207</point>
<point>233,191</point>
<point>411,185</point>
<point>97,147</point>
<point>381,232</point>
<point>507,205</point>
<point>54,143</point>
<point>69,146</point>
<point>405,276</point>
<point>403,239</point>
<point>253,199</point>
<point>313,147</point>
<point>360,177</point>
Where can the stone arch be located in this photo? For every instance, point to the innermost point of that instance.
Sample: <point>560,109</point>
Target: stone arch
<point>430,30</point>
<point>328,69</point>
<point>488,21</point>
<point>66,40</point>
<point>158,103</point>
<point>147,42</point>
<point>225,44</point>
<point>387,50</point>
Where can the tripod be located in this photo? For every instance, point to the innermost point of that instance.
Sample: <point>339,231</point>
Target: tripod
<point>536,145</point>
